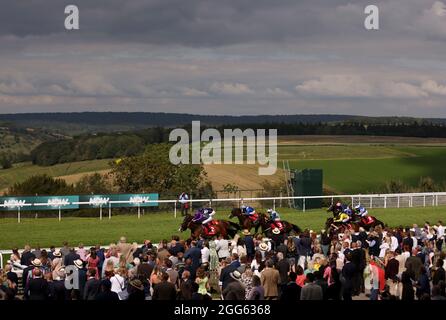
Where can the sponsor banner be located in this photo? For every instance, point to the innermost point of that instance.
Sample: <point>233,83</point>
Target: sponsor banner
<point>39,203</point>
<point>119,200</point>
<point>78,202</point>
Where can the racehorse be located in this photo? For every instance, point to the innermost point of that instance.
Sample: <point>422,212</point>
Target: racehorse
<point>246,222</point>
<point>352,225</point>
<point>215,228</point>
<point>267,225</point>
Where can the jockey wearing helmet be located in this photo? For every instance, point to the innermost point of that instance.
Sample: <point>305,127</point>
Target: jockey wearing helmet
<point>361,211</point>
<point>204,215</point>
<point>348,211</point>
<point>273,215</point>
<point>248,211</point>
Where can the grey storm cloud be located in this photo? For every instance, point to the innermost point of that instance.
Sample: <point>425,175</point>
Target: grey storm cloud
<point>224,56</point>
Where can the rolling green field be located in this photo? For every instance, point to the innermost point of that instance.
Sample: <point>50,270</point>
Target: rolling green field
<point>350,164</point>
<point>157,226</point>
<point>354,171</point>
<point>22,171</point>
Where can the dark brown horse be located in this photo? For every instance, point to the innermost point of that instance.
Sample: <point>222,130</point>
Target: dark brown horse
<point>245,221</point>
<point>267,226</point>
<point>335,228</point>
<point>216,228</point>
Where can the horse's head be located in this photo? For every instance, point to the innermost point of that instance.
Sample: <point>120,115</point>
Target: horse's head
<point>236,212</point>
<point>187,219</point>
<point>263,218</point>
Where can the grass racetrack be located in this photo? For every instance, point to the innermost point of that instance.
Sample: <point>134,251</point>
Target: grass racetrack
<point>158,226</point>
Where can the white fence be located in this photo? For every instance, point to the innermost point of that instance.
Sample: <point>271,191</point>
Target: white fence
<point>391,200</point>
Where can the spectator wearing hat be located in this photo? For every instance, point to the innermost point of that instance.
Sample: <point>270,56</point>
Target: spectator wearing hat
<point>234,290</point>
<point>164,290</point>
<point>270,279</point>
<point>81,277</point>
<point>249,244</point>
<point>136,290</point>
<point>28,273</point>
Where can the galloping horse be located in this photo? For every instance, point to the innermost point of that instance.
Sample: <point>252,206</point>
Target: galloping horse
<point>267,225</point>
<point>352,225</point>
<point>245,222</point>
<point>216,228</point>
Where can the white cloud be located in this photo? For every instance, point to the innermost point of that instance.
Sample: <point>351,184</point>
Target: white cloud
<point>277,92</point>
<point>191,92</point>
<point>229,88</point>
<point>353,86</point>
<point>433,87</point>
<point>336,85</point>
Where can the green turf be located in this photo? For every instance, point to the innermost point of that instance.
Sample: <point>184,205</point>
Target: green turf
<point>370,175</point>
<point>22,171</point>
<point>157,226</point>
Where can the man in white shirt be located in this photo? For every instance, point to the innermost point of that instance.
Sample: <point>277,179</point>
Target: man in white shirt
<point>440,229</point>
<point>184,201</point>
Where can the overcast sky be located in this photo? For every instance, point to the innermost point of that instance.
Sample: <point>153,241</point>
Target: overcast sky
<point>224,57</point>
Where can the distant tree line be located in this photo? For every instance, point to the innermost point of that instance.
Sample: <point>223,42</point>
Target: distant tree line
<point>113,145</point>
<point>148,172</point>
<point>97,146</point>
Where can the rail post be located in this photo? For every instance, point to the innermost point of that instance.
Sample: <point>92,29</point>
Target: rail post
<point>175,209</point>
<point>18,215</point>
<point>274,204</point>
<point>60,215</point>
<point>424,200</point>
<point>109,211</point>
<point>100,212</point>
<point>385,202</point>
<point>303,205</point>
<point>398,202</point>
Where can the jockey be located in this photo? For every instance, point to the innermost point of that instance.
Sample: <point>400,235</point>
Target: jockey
<point>248,211</point>
<point>348,211</point>
<point>361,211</point>
<point>342,218</point>
<point>204,215</point>
<point>273,215</point>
